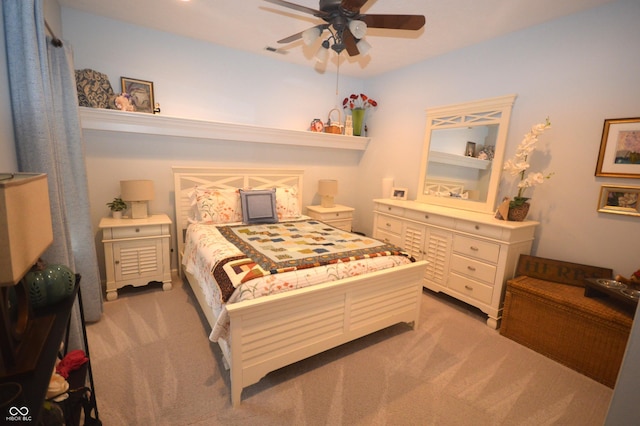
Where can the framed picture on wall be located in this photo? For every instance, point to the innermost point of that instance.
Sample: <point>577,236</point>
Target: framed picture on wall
<point>620,148</point>
<point>140,92</point>
<point>619,200</point>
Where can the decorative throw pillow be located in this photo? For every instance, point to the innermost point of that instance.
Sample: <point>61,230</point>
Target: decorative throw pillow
<point>287,202</point>
<point>258,206</point>
<point>215,205</point>
<point>94,89</point>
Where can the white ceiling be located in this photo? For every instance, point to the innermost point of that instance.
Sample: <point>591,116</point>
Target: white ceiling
<point>253,25</point>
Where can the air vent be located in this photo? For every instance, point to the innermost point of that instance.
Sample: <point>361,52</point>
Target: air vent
<point>275,50</point>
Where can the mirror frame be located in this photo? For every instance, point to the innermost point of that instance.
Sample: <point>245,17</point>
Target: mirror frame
<point>476,113</point>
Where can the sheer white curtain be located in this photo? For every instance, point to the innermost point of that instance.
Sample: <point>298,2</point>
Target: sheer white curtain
<point>48,140</point>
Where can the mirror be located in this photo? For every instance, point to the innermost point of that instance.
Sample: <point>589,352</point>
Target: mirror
<point>463,154</point>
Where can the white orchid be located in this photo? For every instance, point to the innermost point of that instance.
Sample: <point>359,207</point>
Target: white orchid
<point>518,165</point>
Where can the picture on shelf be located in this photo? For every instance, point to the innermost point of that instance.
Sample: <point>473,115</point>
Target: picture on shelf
<point>140,94</point>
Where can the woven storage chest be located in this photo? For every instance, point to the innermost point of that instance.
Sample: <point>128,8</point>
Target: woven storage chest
<point>588,335</point>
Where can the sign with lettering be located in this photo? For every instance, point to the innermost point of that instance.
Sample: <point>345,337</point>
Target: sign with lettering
<point>559,271</point>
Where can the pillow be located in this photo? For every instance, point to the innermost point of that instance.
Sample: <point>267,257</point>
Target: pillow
<point>215,205</point>
<point>287,202</point>
<point>258,206</point>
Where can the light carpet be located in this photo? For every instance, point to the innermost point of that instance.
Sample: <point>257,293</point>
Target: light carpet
<point>153,365</point>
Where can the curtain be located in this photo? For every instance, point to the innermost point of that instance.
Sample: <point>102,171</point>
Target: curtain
<point>49,140</point>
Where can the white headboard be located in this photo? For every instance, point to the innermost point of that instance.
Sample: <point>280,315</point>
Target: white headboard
<point>186,178</point>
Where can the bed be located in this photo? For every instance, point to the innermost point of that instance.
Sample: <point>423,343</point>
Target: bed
<point>276,330</point>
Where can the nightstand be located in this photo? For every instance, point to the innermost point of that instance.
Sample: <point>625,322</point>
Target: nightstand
<point>136,252</point>
<point>339,216</point>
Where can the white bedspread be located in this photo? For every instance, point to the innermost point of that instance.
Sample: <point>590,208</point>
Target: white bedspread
<point>205,246</point>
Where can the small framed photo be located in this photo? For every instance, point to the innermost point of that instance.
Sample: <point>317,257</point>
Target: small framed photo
<point>619,200</point>
<point>470,151</point>
<point>141,93</point>
<point>399,193</point>
<point>620,149</point>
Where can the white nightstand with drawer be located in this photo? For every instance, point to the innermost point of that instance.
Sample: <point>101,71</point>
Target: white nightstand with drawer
<point>136,252</point>
<point>339,216</point>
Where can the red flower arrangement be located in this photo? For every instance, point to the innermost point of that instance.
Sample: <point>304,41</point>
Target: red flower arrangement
<point>360,101</point>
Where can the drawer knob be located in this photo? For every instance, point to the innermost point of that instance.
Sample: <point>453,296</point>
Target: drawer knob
<point>477,227</point>
<point>468,287</point>
<point>388,224</point>
<point>117,262</point>
<point>474,248</point>
<point>471,268</point>
<point>426,216</point>
<point>389,208</point>
<point>137,229</point>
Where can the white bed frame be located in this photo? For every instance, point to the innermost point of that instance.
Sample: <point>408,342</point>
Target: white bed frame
<point>275,331</point>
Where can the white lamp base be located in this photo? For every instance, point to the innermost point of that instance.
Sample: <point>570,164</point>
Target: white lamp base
<point>139,210</point>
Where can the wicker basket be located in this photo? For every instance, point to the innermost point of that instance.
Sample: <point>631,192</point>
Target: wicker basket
<point>333,126</point>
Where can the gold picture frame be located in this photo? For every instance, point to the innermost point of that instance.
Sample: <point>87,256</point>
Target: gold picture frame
<point>141,93</point>
<point>619,154</point>
<point>619,200</point>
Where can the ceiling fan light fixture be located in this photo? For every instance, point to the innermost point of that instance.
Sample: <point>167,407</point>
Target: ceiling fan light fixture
<point>358,28</point>
<point>310,35</point>
<point>323,52</point>
<point>363,46</point>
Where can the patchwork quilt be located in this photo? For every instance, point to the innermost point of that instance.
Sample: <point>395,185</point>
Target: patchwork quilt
<point>288,246</point>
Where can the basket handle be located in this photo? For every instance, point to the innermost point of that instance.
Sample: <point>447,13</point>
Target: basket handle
<point>329,117</point>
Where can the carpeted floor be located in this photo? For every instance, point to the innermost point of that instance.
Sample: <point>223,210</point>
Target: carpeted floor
<point>153,365</point>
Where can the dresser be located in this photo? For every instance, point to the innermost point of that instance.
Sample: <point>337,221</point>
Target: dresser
<point>470,255</point>
<point>136,252</point>
<point>339,216</point>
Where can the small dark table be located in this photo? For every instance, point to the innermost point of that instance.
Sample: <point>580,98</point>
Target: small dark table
<point>598,287</point>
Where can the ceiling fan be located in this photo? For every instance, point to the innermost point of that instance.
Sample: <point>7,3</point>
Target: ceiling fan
<point>346,25</point>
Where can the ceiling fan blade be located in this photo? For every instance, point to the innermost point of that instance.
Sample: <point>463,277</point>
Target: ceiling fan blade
<point>394,22</point>
<point>297,7</point>
<point>350,42</point>
<point>353,5</point>
<point>300,35</point>
<point>291,38</point>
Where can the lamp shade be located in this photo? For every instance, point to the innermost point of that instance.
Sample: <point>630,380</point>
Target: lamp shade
<point>25,224</point>
<point>328,187</point>
<point>136,190</point>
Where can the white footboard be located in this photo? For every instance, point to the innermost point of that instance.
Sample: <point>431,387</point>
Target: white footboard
<point>275,331</point>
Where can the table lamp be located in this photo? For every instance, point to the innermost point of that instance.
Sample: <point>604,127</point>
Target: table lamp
<point>139,193</point>
<point>25,233</point>
<point>327,188</point>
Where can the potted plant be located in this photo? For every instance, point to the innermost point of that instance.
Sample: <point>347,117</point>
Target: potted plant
<point>117,206</point>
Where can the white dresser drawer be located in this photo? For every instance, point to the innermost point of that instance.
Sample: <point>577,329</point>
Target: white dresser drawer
<point>468,287</point>
<point>388,237</point>
<point>430,218</point>
<point>136,231</point>
<point>398,211</point>
<point>389,224</point>
<point>473,268</point>
<point>479,229</point>
<point>476,248</point>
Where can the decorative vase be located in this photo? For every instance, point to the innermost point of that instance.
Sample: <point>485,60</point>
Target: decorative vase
<point>358,120</point>
<point>518,213</point>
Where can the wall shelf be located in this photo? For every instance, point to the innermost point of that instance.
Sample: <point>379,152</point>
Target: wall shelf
<point>459,160</point>
<point>107,120</point>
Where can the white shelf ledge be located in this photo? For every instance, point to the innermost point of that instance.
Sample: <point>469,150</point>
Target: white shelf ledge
<point>458,160</point>
<point>108,120</point>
